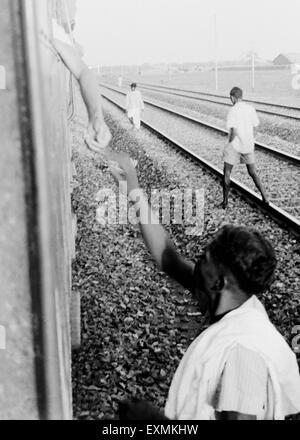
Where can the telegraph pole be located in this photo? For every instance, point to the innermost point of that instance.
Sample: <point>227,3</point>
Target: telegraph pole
<point>253,68</point>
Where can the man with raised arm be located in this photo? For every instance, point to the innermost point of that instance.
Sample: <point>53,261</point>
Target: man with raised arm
<point>240,367</point>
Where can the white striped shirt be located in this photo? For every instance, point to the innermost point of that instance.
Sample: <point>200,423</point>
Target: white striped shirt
<point>244,384</point>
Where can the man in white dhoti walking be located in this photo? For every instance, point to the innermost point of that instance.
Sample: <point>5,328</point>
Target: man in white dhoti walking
<point>134,106</point>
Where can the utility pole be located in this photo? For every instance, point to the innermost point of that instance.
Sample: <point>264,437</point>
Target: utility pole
<point>216,53</point>
<point>253,70</point>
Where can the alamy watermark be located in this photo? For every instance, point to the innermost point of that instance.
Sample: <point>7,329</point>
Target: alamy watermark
<point>296,339</point>
<point>178,207</point>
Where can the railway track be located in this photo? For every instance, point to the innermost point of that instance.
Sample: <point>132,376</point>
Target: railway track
<point>282,110</point>
<point>276,212</point>
<point>259,145</point>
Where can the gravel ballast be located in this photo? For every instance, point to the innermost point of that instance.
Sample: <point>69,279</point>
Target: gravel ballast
<point>136,322</point>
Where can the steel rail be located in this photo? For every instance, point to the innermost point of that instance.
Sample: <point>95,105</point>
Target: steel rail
<point>266,148</point>
<point>197,92</point>
<point>260,110</point>
<point>276,213</point>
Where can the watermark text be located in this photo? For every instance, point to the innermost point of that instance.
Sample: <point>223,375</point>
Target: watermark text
<point>177,207</point>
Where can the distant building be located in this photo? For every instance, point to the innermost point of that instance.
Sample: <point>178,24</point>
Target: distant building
<point>287,59</point>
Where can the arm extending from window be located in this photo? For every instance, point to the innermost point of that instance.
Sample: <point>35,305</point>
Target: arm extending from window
<point>98,135</point>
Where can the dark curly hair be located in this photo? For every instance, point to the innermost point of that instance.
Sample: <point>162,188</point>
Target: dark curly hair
<point>247,255</point>
<point>236,92</point>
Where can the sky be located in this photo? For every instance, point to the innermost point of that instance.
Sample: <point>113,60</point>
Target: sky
<point>126,32</point>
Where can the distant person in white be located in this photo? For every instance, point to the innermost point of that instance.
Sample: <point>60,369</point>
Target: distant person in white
<point>241,122</point>
<point>134,106</point>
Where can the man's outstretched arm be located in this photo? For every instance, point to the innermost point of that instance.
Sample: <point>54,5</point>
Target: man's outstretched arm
<point>98,134</point>
<point>155,236</point>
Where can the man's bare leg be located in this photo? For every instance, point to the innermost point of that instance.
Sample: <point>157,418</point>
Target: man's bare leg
<point>253,174</point>
<point>226,183</point>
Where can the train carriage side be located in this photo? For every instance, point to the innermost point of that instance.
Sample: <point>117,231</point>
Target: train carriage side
<point>36,238</point>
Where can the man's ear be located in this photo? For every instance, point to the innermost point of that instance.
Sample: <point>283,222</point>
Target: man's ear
<point>220,284</point>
